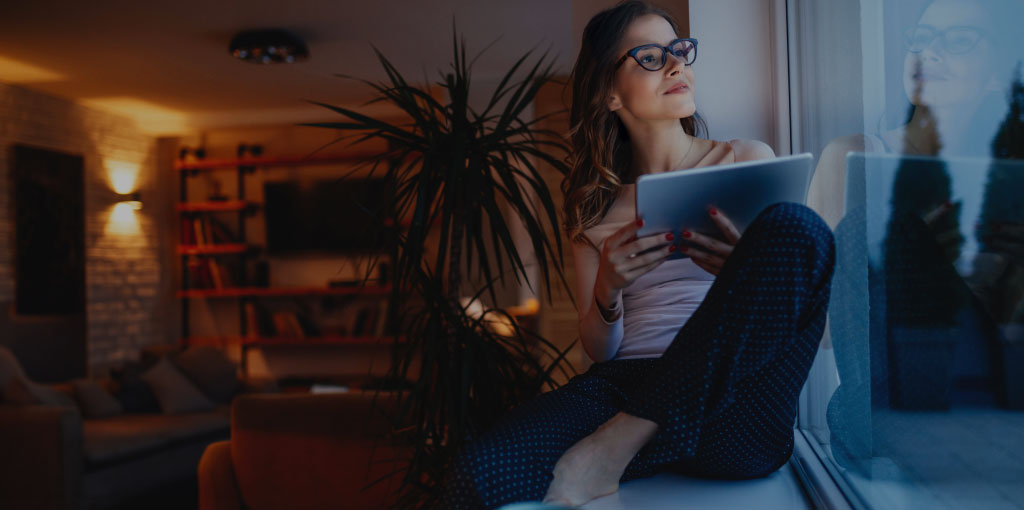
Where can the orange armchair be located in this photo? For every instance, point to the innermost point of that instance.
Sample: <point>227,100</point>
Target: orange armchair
<point>301,451</point>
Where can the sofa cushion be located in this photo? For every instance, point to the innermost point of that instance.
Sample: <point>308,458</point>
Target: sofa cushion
<point>9,368</point>
<point>174,391</point>
<point>94,400</point>
<point>132,392</point>
<point>211,371</point>
<point>24,392</point>
<point>109,440</point>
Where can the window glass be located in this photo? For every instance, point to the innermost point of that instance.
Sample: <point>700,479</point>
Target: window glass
<point>914,111</point>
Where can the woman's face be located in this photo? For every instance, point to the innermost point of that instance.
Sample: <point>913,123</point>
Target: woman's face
<point>644,95</point>
<point>947,78</point>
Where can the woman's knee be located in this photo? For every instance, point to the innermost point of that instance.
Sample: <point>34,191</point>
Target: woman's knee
<point>744,467</point>
<point>796,223</point>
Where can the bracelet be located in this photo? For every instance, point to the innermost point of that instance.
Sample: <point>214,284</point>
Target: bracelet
<point>609,315</point>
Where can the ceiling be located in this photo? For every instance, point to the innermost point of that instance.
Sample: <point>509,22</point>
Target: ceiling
<point>166,63</point>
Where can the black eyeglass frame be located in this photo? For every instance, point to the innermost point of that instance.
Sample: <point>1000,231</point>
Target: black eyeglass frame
<point>664,53</point>
<point>943,36</point>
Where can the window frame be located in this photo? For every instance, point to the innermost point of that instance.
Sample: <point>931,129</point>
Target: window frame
<point>825,485</point>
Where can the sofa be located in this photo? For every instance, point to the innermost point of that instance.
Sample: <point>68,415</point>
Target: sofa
<point>302,452</point>
<point>62,450</point>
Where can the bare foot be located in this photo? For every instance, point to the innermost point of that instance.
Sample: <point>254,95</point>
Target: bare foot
<point>593,466</point>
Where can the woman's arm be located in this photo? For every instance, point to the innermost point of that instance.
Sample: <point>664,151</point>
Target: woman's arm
<point>600,337</point>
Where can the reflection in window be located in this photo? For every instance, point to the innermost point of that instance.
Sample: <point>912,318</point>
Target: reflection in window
<point>916,397</point>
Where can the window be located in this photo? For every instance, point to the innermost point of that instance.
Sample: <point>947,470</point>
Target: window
<point>913,109</point>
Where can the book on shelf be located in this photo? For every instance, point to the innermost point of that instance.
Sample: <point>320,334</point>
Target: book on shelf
<point>205,231</point>
<point>197,227</point>
<point>218,282</point>
<point>206,273</point>
<point>362,316</point>
<point>281,325</point>
<point>265,322</point>
<point>252,324</point>
<point>219,232</point>
<point>382,315</point>
<point>293,323</point>
<point>309,326</point>
<point>198,274</point>
<point>188,234</point>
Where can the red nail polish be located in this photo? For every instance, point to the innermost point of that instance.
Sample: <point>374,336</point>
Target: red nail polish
<point>713,211</point>
<point>671,248</point>
<point>687,234</point>
<point>669,236</point>
<point>640,221</point>
<point>683,248</point>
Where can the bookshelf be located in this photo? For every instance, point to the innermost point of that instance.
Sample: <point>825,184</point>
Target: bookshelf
<point>216,259</point>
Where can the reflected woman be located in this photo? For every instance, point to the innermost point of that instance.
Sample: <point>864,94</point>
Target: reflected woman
<point>957,66</point>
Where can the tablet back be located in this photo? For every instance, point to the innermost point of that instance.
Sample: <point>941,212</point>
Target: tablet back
<point>677,200</point>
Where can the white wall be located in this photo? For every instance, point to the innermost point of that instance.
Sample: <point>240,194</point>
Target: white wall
<point>735,74</point>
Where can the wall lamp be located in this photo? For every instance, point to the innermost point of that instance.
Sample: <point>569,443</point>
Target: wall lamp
<point>134,200</point>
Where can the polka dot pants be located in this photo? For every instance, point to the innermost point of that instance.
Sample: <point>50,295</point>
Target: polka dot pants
<point>723,394</point>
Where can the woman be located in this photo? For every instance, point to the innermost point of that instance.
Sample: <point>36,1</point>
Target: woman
<point>714,398</point>
<point>958,61</point>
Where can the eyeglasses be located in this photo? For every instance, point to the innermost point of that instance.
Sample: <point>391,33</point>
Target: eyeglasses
<point>652,57</point>
<point>955,40</point>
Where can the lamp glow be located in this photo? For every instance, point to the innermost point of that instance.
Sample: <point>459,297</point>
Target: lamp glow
<point>122,175</point>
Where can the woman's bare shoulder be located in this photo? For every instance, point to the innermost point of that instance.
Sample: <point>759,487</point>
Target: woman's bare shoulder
<point>750,150</point>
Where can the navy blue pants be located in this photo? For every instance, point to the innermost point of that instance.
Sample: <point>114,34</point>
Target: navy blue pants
<point>723,394</point>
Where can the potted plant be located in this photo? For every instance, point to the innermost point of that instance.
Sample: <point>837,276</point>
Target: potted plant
<point>457,170</point>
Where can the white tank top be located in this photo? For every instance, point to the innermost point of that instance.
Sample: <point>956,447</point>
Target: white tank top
<point>657,304</point>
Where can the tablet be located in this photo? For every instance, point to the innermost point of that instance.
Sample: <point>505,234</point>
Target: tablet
<point>677,200</point>
<point>987,191</point>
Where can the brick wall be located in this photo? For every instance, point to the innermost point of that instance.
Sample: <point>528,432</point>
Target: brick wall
<point>129,297</point>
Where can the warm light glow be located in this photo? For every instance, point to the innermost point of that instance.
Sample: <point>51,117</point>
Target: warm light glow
<point>532,305</point>
<point>123,221</point>
<point>122,175</point>
<point>495,321</point>
<point>152,118</point>
<point>499,324</point>
<point>14,71</point>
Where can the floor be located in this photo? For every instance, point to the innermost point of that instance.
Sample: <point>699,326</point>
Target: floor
<point>180,496</point>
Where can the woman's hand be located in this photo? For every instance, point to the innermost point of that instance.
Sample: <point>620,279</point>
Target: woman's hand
<point>942,221</point>
<point>623,260</point>
<point>711,253</point>
<point>1007,238</point>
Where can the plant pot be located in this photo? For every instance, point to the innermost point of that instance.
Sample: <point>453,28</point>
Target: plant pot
<point>921,367</point>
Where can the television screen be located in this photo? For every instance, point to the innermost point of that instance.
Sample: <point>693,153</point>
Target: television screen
<point>326,216</point>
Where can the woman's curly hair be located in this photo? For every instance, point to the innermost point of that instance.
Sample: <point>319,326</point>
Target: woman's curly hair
<point>601,153</point>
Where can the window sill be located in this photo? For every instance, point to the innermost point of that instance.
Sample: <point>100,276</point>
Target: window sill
<point>782,489</point>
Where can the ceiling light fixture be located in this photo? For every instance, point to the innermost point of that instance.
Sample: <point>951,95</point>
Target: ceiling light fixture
<point>270,46</point>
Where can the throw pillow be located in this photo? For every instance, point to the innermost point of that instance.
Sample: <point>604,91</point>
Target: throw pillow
<point>132,392</point>
<point>174,391</point>
<point>95,401</point>
<point>211,371</point>
<point>23,392</point>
